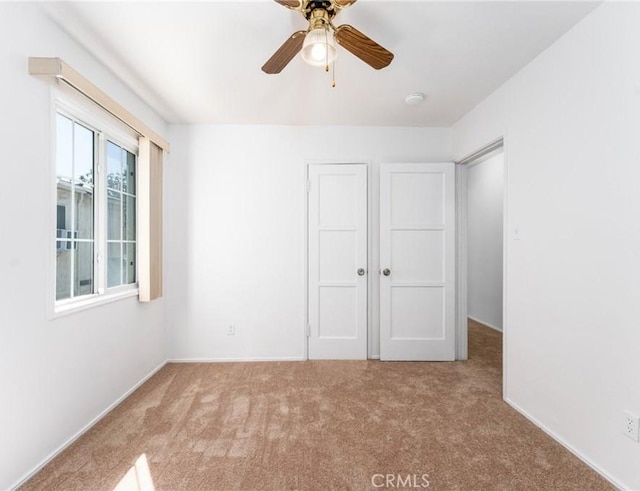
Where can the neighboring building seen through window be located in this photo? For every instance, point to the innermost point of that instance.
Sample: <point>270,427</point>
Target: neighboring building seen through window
<point>95,211</point>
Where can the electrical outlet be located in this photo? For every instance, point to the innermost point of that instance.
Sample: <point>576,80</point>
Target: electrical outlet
<point>231,330</point>
<point>630,427</point>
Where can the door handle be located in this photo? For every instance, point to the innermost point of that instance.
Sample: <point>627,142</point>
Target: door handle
<point>361,272</point>
<point>386,271</point>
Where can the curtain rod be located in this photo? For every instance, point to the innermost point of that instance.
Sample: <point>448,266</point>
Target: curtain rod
<point>56,68</point>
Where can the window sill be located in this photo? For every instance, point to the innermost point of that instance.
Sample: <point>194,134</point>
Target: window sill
<point>91,301</point>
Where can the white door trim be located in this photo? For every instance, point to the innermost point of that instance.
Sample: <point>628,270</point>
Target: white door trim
<point>462,341</point>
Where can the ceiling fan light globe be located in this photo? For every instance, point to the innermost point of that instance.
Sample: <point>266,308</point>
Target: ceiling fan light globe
<point>318,52</point>
<point>318,46</point>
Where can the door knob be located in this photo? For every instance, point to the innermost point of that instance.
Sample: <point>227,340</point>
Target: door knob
<point>361,272</point>
<point>386,271</point>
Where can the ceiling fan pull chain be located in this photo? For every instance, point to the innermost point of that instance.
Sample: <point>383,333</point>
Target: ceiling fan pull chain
<point>333,82</point>
<point>326,49</point>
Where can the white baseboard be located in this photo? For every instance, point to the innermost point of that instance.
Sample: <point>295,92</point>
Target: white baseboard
<point>495,328</point>
<point>86,428</point>
<point>615,482</point>
<point>233,360</point>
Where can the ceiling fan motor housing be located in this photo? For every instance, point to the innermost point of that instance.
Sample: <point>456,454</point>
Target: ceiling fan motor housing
<point>319,19</point>
<point>314,7</point>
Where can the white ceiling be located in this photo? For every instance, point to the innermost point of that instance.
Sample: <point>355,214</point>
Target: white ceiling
<point>199,62</point>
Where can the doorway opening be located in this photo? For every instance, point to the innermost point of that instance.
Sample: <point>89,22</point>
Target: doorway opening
<point>481,212</point>
<point>485,210</point>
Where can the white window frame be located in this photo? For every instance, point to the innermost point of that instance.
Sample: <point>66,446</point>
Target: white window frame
<point>107,128</point>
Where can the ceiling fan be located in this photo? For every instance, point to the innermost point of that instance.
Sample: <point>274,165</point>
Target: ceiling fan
<point>318,42</point>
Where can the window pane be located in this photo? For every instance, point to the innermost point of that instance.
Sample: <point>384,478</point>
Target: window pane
<point>64,171</point>
<point>114,215</point>
<point>129,264</point>
<point>114,264</point>
<point>129,217</point>
<point>129,173</point>
<point>83,280</point>
<point>121,216</point>
<point>114,166</point>
<point>64,148</point>
<point>75,156</point>
<point>63,269</point>
<point>83,145</point>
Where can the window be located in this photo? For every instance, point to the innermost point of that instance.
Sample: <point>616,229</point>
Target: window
<point>96,206</point>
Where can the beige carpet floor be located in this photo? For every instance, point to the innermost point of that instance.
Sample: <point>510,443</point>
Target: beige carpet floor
<point>321,426</point>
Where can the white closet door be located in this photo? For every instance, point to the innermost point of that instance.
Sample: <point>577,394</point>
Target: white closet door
<point>417,257</point>
<point>338,261</point>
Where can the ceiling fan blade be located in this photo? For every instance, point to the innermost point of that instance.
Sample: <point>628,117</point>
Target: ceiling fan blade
<point>364,48</point>
<point>290,4</point>
<point>345,3</point>
<point>285,53</point>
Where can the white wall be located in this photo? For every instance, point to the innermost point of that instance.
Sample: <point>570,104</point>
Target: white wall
<point>239,255</point>
<point>485,183</point>
<point>572,124</point>
<point>55,375</point>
